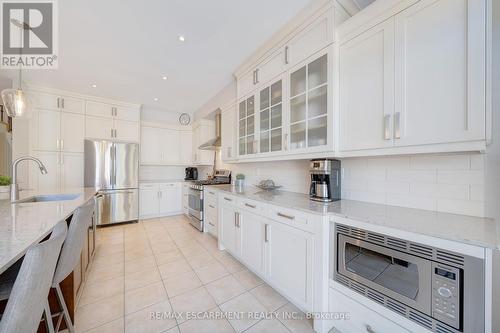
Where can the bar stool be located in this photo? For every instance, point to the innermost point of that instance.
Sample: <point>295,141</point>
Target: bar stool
<point>70,255</point>
<point>28,296</point>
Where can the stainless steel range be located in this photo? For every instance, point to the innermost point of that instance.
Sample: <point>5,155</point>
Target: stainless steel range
<point>219,177</point>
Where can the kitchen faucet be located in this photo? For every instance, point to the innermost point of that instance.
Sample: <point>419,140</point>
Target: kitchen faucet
<point>14,190</point>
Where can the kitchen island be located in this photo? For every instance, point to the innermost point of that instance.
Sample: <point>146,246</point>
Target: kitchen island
<point>24,224</point>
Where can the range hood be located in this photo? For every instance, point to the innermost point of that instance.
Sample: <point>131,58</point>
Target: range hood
<point>214,143</point>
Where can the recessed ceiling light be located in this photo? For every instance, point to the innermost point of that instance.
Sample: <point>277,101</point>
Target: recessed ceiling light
<point>181,38</point>
<point>94,86</point>
<point>155,99</point>
<point>164,77</point>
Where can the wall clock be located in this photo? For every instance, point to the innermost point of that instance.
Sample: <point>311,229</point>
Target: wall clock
<point>184,119</point>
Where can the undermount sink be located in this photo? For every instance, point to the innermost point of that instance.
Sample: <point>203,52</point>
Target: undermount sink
<point>46,198</point>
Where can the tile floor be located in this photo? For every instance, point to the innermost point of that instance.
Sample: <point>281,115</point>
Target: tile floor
<point>144,272</point>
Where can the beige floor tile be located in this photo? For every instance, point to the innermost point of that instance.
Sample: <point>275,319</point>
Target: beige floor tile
<point>224,289</point>
<point>163,247</point>
<point>196,300</point>
<point>140,264</point>
<point>215,323</point>
<point>98,313</point>
<point>244,304</point>
<point>116,258</point>
<point>141,278</point>
<point>268,297</point>
<point>174,268</point>
<point>193,250</point>
<point>138,254</point>
<point>167,257</point>
<point>144,322</point>
<point>105,249</point>
<point>248,279</point>
<point>181,283</point>
<point>268,326</point>
<point>139,298</point>
<point>211,273</point>
<point>101,289</point>
<point>295,320</point>
<point>105,273</point>
<point>200,261</point>
<point>115,326</point>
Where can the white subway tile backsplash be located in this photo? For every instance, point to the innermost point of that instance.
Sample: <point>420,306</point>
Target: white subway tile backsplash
<point>477,162</point>
<point>471,177</point>
<point>411,201</point>
<point>451,191</point>
<point>465,207</point>
<point>444,162</point>
<point>426,176</point>
<point>476,192</point>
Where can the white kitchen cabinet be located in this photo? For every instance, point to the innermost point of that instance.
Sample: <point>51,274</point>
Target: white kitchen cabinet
<point>228,134</point>
<point>170,199</point>
<point>186,147</point>
<point>289,259</point>
<point>229,232</point>
<point>361,317</point>
<point>99,109</point>
<point>59,131</point>
<point>151,147</point>
<point>253,238</point>
<point>126,130</point>
<point>160,199</point>
<point>270,118</point>
<point>64,170</point>
<point>210,217</point>
<point>367,89</point>
<point>310,117</point>
<point>127,113</point>
<point>58,102</point>
<point>246,83</point>
<point>98,128</point>
<point>170,143</point>
<point>440,72</point>
<point>164,146</point>
<point>246,127</point>
<point>149,199</point>
<point>311,39</point>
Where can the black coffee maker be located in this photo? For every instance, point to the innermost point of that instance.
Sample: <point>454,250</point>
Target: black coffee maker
<point>325,180</point>
<point>191,173</point>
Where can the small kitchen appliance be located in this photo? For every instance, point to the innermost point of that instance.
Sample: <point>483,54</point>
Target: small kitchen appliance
<point>325,180</point>
<point>191,173</point>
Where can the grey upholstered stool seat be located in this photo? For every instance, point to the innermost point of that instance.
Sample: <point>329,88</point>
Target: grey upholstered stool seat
<point>70,255</point>
<point>28,298</point>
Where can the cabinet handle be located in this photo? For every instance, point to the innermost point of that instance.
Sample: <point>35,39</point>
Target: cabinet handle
<point>286,141</point>
<point>62,144</point>
<point>111,132</point>
<point>238,220</point>
<point>213,225</point>
<point>57,144</point>
<point>248,205</point>
<point>227,199</point>
<point>58,102</point>
<point>116,112</point>
<point>286,216</point>
<point>62,102</point>
<point>256,76</point>
<point>116,131</point>
<point>266,233</point>
<point>286,55</point>
<point>387,125</point>
<point>211,206</point>
<point>397,125</point>
<point>211,192</point>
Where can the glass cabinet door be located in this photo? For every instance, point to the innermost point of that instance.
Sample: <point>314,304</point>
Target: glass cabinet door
<point>308,105</point>
<point>271,123</point>
<point>246,126</point>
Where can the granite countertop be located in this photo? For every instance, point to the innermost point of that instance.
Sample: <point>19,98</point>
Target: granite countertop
<point>472,230</point>
<point>25,224</point>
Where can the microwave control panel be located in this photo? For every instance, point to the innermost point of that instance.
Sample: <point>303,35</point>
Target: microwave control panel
<point>446,294</point>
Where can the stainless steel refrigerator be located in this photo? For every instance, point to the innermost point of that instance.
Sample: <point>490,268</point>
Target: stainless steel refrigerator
<point>113,169</point>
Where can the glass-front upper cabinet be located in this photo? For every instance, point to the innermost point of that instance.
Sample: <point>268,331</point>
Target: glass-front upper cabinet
<point>246,126</point>
<point>270,118</point>
<point>309,105</point>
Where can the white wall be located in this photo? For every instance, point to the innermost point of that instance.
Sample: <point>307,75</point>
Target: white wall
<point>225,97</point>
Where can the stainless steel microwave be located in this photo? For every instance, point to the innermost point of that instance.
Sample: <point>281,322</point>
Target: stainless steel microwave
<point>438,289</point>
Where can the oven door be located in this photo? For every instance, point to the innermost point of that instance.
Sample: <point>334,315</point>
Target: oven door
<point>400,276</point>
<point>195,204</point>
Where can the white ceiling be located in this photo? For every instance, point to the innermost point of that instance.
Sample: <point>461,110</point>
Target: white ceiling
<point>126,46</point>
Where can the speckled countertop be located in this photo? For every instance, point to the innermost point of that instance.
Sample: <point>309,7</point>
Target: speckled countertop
<point>472,230</point>
<point>25,224</point>
<point>163,181</point>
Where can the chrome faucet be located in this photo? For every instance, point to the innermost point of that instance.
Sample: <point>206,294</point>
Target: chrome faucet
<point>14,190</point>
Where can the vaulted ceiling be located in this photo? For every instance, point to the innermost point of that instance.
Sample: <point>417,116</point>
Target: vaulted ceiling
<point>125,47</point>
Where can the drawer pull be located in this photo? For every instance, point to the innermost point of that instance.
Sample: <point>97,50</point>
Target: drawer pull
<point>211,206</point>
<point>369,329</point>
<point>213,225</point>
<point>227,199</point>
<point>211,192</point>
<point>249,205</point>
<point>286,216</point>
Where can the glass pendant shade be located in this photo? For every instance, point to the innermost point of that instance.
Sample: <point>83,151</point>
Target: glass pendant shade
<point>14,101</point>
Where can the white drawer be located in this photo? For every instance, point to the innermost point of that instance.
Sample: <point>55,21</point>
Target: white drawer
<point>253,206</point>
<point>211,194</point>
<point>361,318</point>
<point>148,186</point>
<point>169,185</point>
<point>210,209</point>
<point>227,199</point>
<point>291,217</point>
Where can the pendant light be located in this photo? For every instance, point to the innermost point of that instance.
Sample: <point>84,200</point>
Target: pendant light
<point>14,100</point>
